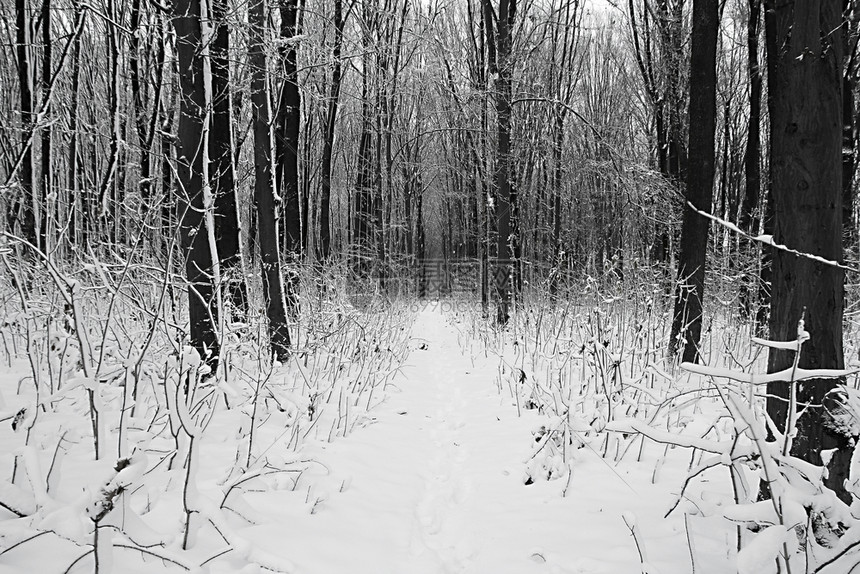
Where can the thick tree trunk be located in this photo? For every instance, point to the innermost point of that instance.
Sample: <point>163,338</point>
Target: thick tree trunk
<point>192,169</point>
<point>273,288</point>
<point>687,320</point>
<point>805,108</point>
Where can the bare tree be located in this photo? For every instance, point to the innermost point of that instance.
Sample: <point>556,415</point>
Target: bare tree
<point>23,209</point>
<point>47,172</point>
<point>499,29</point>
<point>690,289</point>
<point>222,170</point>
<point>752,153</point>
<point>192,168</point>
<point>288,121</point>
<point>108,204</point>
<point>273,287</point>
<point>339,22</point>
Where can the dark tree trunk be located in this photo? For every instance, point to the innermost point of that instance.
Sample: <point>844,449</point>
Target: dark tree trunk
<point>558,140</point>
<point>273,288</point>
<point>308,137</point>
<point>501,65</point>
<point>805,108</point>
<point>23,210</point>
<point>222,171</point>
<point>167,148</point>
<point>363,209</point>
<point>362,224</point>
<point>45,201</point>
<point>420,244</point>
<point>108,209</point>
<point>748,219</point>
<point>377,200</point>
<point>328,138</point>
<point>139,102</point>
<point>849,127</point>
<point>687,320</point>
<point>191,161</point>
<point>848,118</point>
<point>287,150</point>
<point>74,201</point>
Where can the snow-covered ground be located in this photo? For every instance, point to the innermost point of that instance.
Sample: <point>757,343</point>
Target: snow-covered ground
<point>436,485</point>
<point>432,479</point>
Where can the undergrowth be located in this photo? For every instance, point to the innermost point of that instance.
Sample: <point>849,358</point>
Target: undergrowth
<point>111,427</point>
<point>592,363</point>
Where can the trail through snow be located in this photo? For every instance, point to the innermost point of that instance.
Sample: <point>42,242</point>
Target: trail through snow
<point>435,485</point>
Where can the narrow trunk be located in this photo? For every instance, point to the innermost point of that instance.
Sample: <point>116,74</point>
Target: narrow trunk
<point>46,204</point>
<point>138,99</point>
<point>107,209</point>
<point>328,137</point>
<point>287,148</point>
<point>23,210</point>
<point>362,210</point>
<point>501,66</point>
<point>749,220</point>
<point>222,171</point>
<point>848,144</point>
<point>273,288</point>
<point>558,139</point>
<point>74,201</point>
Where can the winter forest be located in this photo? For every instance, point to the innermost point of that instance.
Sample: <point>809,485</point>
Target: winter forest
<point>429,286</point>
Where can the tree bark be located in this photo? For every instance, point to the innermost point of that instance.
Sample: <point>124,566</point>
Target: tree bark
<point>139,102</point>
<point>748,219</point>
<point>328,137</point>
<point>362,224</point>
<point>192,166</point>
<point>287,150</point>
<point>687,320</point>
<point>805,108</point>
<point>23,210</point>
<point>228,230</point>
<point>45,201</point>
<point>501,66</point>
<point>273,288</point>
<point>107,208</point>
<point>74,201</point>
<point>849,127</point>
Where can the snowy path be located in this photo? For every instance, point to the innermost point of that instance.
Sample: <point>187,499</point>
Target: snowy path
<point>435,486</point>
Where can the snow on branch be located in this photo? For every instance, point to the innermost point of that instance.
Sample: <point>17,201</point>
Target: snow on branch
<point>788,375</point>
<point>631,425</point>
<point>768,240</point>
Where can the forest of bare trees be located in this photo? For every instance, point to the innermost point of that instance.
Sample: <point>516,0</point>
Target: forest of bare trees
<point>248,159</point>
